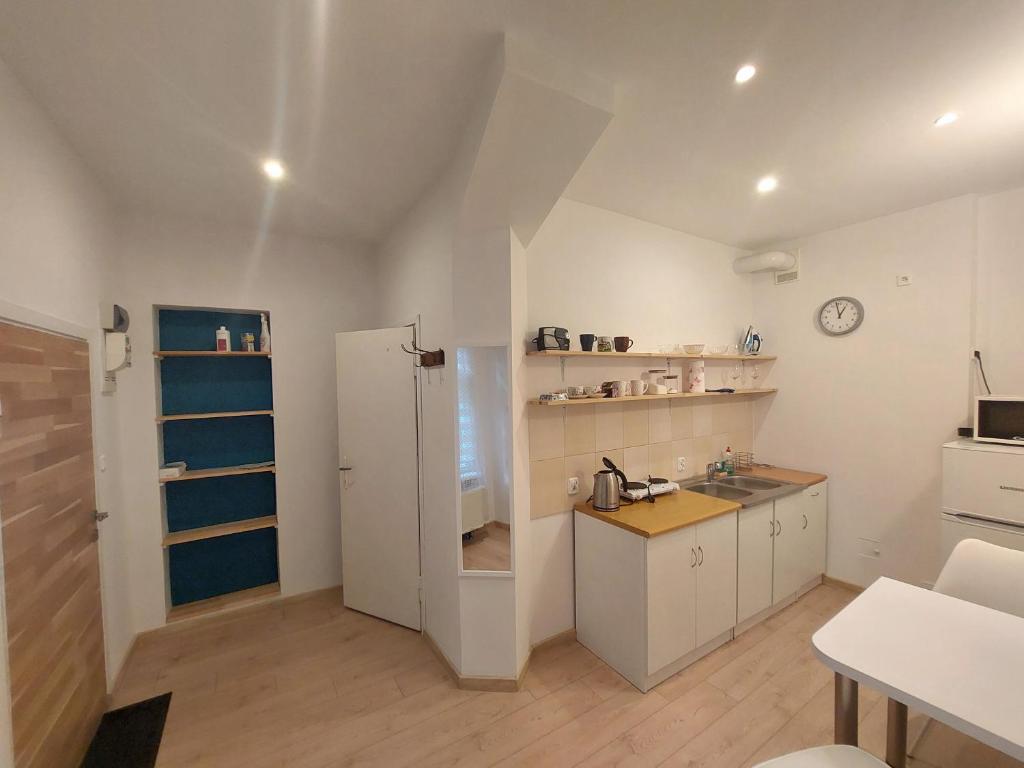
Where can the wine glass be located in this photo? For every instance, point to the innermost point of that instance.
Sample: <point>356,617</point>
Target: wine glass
<point>735,374</point>
<point>755,374</point>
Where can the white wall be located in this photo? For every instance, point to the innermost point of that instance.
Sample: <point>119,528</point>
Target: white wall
<point>1000,277</point>
<point>872,409</point>
<point>55,257</point>
<point>312,289</point>
<point>595,271</point>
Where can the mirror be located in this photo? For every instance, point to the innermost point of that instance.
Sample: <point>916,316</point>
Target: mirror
<point>485,458</point>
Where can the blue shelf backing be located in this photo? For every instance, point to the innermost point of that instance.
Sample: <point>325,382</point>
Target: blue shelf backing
<point>194,330</point>
<point>213,384</point>
<point>199,503</point>
<point>212,567</point>
<point>216,443</point>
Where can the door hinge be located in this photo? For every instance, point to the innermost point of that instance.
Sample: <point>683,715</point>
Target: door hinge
<point>100,516</point>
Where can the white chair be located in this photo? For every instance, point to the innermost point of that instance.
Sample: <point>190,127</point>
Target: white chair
<point>986,574</point>
<point>833,756</point>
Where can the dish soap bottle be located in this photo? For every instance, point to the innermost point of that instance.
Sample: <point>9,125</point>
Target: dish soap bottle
<point>730,468</point>
<point>264,334</point>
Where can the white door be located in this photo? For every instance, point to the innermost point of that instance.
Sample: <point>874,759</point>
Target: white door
<point>380,539</point>
<point>756,533</point>
<point>671,590</point>
<point>716,577</point>
<point>792,557</point>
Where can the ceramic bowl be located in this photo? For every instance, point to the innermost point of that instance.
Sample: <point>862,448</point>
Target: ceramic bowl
<point>693,349</point>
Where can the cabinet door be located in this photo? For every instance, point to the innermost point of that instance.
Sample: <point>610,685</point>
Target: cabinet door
<point>754,553</point>
<point>671,588</point>
<point>792,556</point>
<point>716,577</point>
<point>816,510</point>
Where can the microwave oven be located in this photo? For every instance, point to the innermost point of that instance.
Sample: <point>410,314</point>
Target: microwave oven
<point>999,419</point>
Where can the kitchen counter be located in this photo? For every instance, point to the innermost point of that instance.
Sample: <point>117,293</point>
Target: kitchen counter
<point>670,512</point>
<point>785,475</point>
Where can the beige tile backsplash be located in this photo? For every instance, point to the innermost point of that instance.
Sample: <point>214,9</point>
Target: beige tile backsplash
<point>642,438</point>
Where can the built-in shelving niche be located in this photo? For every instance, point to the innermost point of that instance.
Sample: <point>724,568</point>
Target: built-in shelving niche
<point>220,518</point>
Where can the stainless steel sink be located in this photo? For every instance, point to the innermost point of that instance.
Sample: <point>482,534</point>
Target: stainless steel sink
<point>718,490</point>
<point>749,483</point>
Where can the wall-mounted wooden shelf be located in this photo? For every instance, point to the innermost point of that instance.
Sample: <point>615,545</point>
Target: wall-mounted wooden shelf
<point>647,355</point>
<point>223,529</point>
<point>637,398</point>
<point>217,415</point>
<point>238,599</point>
<point>202,474</point>
<point>190,353</point>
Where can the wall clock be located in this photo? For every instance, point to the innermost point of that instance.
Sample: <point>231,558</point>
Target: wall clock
<point>840,316</point>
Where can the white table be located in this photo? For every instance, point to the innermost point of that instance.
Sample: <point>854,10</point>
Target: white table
<point>959,663</point>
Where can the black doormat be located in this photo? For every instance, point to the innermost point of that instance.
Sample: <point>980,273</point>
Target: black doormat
<point>129,737</point>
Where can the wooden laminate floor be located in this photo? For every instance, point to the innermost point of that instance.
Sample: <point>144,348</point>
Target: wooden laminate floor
<point>490,549</point>
<point>305,683</point>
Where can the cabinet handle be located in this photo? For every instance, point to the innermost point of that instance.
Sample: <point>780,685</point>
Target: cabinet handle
<point>816,493</point>
<point>778,528</point>
<point>693,558</point>
<point>700,555</point>
<point>805,523</point>
<point>771,529</point>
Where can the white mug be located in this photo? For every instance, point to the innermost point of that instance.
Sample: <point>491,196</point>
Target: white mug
<point>638,387</point>
<point>620,388</point>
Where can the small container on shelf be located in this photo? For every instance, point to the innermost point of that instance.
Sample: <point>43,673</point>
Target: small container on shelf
<point>223,339</point>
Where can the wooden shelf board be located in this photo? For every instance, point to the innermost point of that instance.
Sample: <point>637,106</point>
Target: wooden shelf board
<point>647,355</point>
<point>223,602</point>
<point>223,529</point>
<point>200,474</point>
<point>217,415</point>
<point>191,353</point>
<point>632,398</point>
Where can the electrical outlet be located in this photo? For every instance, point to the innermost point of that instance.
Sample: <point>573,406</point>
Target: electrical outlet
<point>574,486</point>
<point>680,464</point>
<point>902,281</point>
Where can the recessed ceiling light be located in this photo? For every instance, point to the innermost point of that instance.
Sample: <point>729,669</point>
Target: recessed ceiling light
<point>767,184</point>
<point>946,119</point>
<point>746,72</point>
<point>274,169</point>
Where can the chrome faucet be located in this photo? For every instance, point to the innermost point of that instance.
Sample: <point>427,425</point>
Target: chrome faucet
<point>712,468</point>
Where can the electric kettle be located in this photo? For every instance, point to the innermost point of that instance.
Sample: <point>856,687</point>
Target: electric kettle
<point>751,342</point>
<point>606,487</point>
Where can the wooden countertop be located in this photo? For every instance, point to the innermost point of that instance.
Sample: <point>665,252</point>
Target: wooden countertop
<point>785,475</point>
<point>670,512</point>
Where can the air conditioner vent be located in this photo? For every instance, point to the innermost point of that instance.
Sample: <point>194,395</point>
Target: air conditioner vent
<point>789,275</point>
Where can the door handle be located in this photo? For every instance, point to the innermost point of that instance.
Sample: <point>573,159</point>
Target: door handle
<point>345,484</point>
<point>100,516</point>
<point>778,528</point>
<point>693,558</point>
<point>700,555</point>
<point>344,469</point>
<point>805,523</point>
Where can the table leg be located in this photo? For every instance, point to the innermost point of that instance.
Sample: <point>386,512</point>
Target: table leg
<point>846,710</point>
<point>896,735</point>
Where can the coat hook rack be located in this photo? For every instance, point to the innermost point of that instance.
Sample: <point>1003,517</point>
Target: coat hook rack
<point>428,359</point>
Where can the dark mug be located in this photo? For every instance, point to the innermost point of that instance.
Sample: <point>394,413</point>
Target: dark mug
<point>623,343</point>
<point>587,342</point>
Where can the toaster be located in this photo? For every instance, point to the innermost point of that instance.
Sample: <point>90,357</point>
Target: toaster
<point>552,338</point>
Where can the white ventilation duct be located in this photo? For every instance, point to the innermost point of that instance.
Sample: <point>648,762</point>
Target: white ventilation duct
<point>775,261</point>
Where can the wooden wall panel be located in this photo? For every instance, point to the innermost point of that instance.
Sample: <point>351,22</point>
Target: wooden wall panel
<point>51,565</point>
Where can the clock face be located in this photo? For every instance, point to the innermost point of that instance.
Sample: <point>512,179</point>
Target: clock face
<point>840,316</point>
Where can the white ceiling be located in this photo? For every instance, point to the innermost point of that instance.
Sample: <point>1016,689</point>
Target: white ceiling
<point>174,103</point>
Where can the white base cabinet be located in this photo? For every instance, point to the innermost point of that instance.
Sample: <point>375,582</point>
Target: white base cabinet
<point>782,547</point>
<point>651,606</point>
<point>646,605</point>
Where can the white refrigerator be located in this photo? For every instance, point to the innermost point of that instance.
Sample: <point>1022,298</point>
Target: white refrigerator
<point>982,494</point>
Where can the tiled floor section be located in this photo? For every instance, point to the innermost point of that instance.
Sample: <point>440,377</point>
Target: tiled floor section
<point>305,683</point>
